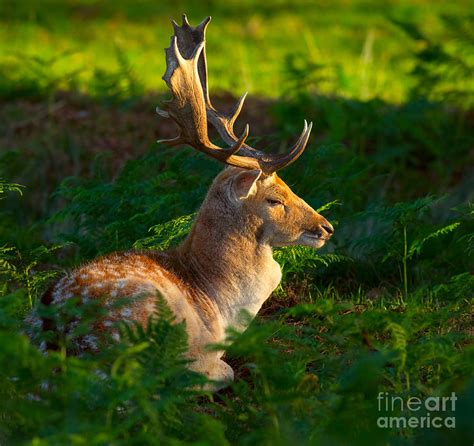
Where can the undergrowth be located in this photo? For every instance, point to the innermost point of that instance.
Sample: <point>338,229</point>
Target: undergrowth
<point>385,307</point>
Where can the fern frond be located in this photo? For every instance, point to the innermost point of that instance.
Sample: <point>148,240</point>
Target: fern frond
<point>10,187</point>
<point>329,205</point>
<point>416,246</point>
<point>166,234</point>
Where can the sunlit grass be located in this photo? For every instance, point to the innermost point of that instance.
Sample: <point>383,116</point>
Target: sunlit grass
<point>365,54</point>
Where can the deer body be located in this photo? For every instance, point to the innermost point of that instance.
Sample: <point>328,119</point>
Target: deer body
<point>225,265</point>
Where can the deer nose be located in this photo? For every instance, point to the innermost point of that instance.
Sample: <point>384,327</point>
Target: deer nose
<point>328,228</point>
<point>325,228</point>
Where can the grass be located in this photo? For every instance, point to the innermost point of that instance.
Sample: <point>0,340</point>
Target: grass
<point>362,53</point>
<point>385,307</point>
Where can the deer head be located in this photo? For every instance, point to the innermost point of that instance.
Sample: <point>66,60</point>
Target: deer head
<point>251,189</point>
<point>285,219</point>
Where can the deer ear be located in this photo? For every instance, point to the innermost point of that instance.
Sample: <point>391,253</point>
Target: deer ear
<point>245,183</point>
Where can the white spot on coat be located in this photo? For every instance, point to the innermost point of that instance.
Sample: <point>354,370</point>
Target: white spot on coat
<point>91,341</point>
<point>57,296</point>
<point>68,295</point>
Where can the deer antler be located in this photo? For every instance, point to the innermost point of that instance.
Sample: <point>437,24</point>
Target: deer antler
<point>191,108</point>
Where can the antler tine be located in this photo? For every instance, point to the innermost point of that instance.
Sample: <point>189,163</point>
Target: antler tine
<point>280,161</point>
<point>268,163</point>
<point>191,108</point>
<point>225,127</point>
<point>184,64</point>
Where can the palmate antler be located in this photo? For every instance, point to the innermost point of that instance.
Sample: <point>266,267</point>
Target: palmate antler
<point>191,108</point>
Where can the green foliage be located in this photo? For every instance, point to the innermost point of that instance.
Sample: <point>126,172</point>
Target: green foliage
<point>399,234</point>
<point>384,307</point>
<point>296,389</point>
<point>364,58</point>
<point>301,373</point>
<point>121,86</point>
<point>443,69</point>
<point>115,213</point>
<point>135,392</point>
<point>38,75</point>
<point>417,244</point>
<point>300,260</point>
<point>167,234</point>
<point>9,187</point>
<point>18,269</point>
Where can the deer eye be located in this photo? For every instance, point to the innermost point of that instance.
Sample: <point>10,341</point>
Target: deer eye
<point>274,202</point>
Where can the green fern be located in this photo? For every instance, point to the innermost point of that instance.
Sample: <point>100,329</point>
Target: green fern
<point>416,245</point>
<point>9,187</point>
<point>19,269</point>
<point>166,234</point>
<point>301,260</point>
<point>399,344</point>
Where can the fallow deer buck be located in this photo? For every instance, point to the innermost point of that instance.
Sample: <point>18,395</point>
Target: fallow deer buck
<point>225,265</point>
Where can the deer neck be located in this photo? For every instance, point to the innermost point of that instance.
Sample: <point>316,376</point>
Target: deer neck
<point>231,263</point>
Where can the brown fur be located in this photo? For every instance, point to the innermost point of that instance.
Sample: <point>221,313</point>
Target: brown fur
<point>223,267</point>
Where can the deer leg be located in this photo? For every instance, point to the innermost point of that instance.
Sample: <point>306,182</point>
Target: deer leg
<point>216,370</point>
